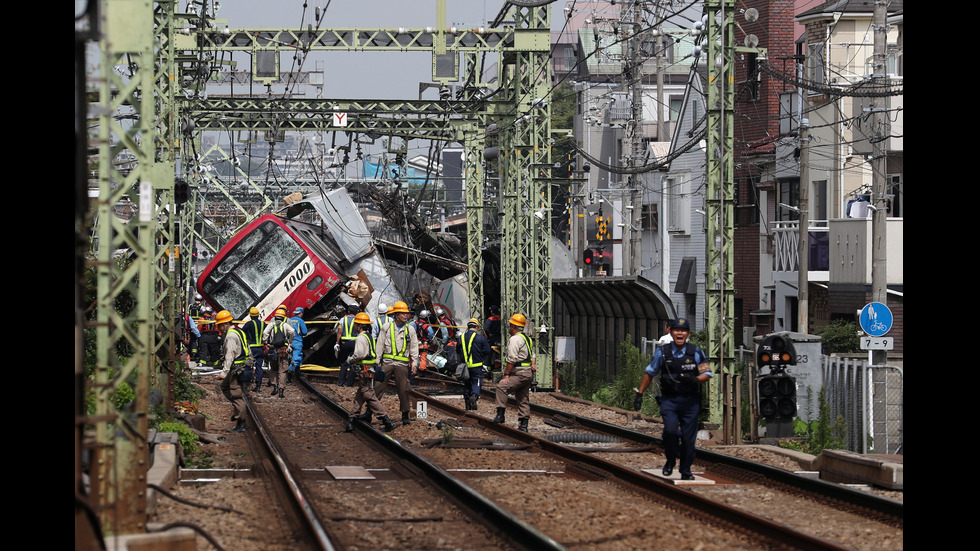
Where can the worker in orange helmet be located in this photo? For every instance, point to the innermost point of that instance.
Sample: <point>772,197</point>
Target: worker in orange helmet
<point>234,358</point>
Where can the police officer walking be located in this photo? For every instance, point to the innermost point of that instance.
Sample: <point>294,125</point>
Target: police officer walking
<point>234,354</point>
<point>682,368</point>
<point>398,346</point>
<point>518,373</point>
<point>362,362</point>
<point>475,349</point>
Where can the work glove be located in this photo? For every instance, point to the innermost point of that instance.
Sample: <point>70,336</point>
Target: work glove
<point>336,347</point>
<point>638,400</point>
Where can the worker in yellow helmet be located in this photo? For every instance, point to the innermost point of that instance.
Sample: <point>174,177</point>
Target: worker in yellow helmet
<point>518,373</point>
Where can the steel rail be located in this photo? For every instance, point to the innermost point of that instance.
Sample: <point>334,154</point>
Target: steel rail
<point>496,518</point>
<point>298,500</point>
<point>776,532</point>
<point>847,495</point>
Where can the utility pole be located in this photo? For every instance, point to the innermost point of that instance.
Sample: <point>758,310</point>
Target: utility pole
<point>879,199</point>
<point>803,246</point>
<point>631,248</point>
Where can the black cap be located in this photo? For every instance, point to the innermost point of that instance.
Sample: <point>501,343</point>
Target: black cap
<point>680,323</point>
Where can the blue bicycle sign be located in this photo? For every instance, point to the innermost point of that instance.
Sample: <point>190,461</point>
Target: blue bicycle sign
<point>876,319</point>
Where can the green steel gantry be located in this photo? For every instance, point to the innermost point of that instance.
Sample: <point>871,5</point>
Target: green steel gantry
<point>150,71</point>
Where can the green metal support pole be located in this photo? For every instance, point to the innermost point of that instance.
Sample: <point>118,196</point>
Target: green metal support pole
<point>525,161</point>
<point>720,282</point>
<point>125,322</point>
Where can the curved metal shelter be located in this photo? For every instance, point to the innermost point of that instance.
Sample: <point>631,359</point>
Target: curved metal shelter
<point>601,311</point>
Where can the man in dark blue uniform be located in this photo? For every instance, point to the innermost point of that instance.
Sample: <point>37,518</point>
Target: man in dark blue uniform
<point>346,335</point>
<point>254,330</point>
<point>475,350</point>
<point>682,367</point>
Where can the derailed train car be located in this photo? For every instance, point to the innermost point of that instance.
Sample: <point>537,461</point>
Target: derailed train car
<point>277,260</point>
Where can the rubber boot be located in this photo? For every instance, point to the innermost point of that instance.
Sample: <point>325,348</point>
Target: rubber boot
<point>281,390</point>
<point>388,425</point>
<point>474,402</point>
<point>239,427</point>
<point>522,424</point>
<point>500,416</point>
<point>349,427</point>
<point>289,377</point>
<point>258,385</point>
<point>275,390</point>
<point>405,419</point>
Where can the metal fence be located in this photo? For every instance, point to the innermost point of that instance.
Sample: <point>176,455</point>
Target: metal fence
<point>870,399</point>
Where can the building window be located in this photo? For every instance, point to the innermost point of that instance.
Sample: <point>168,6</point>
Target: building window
<point>676,103</point>
<point>815,64</point>
<point>789,194</point>
<point>650,216</point>
<point>678,200</point>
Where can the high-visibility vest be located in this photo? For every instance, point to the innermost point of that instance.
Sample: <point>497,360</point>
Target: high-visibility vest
<point>347,328</point>
<point>245,351</point>
<point>372,357</point>
<point>527,342</point>
<point>395,353</point>
<point>468,351</point>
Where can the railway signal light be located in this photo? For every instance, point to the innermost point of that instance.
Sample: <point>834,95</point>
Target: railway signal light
<point>588,256</point>
<point>182,192</point>
<point>777,398</point>
<point>776,351</point>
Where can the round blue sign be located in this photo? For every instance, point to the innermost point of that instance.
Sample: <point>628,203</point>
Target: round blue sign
<point>876,319</point>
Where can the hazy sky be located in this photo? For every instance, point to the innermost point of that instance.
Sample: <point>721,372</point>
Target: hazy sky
<point>367,75</point>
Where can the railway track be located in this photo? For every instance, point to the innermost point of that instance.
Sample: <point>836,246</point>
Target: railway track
<point>578,498</point>
<point>346,491</point>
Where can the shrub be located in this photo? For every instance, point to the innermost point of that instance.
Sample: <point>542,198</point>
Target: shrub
<point>840,336</point>
<point>195,457</point>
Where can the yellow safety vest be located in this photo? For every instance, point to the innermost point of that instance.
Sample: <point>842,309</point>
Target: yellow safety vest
<point>468,351</point>
<point>397,354</point>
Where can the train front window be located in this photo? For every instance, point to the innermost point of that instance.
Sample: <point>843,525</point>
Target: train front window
<point>265,267</point>
<point>252,268</point>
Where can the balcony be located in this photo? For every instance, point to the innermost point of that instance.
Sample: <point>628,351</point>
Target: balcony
<point>785,255</point>
<point>840,250</point>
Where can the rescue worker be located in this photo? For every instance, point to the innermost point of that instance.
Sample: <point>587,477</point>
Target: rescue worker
<point>398,347</point>
<point>345,345</point>
<point>362,362</point>
<point>210,341</point>
<point>234,354</point>
<point>383,319</point>
<point>426,335</point>
<point>276,340</point>
<point>193,336</point>
<point>447,329</point>
<point>518,373</point>
<point>683,368</point>
<point>492,330</point>
<point>195,309</point>
<point>299,328</point>
<point>253,334</point>
<point>475,349</point>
